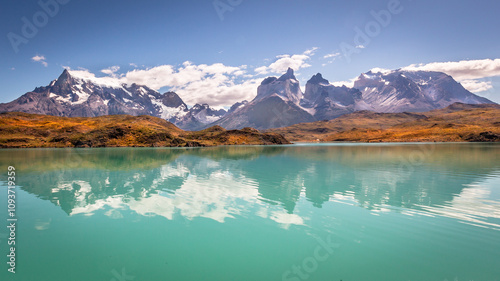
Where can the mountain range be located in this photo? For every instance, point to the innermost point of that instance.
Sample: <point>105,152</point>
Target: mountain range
<point>279,101</point>
<point>73,96</point>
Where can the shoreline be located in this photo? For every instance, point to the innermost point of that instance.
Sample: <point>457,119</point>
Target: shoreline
<point>293,144</point>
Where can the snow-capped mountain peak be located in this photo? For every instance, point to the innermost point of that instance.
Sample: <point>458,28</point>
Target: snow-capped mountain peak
<point>78,94</point>
<point>412,91</point>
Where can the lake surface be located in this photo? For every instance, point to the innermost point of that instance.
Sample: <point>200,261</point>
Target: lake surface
<point>348,212</point>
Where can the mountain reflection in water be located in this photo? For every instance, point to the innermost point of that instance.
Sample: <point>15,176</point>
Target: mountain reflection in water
<point>228,182</point>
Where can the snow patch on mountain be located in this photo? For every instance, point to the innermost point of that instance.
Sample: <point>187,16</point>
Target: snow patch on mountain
<point>167,112</point>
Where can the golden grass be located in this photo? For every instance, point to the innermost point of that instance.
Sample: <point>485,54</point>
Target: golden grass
<point>19,130</point>
<point>456,123</point>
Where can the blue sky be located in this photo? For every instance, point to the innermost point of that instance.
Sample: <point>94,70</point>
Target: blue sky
<point>218,51</point>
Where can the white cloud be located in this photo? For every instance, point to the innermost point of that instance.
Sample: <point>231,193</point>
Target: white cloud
<point>283,62</point>
<point>111,70</point>
<point>462,70</point>
<point>296,62</point>
<point>381,70</point>
<point>360,47</point>
<point>311,51</point>
<point>349,83</point>
<point>170,76</point>
<point>261,70</point>
<point>476,86</point>
<point>332,55</point>
<point>107,81</point>
<point>155,78</point>
<point>40,59</point>
<point>218,91</point>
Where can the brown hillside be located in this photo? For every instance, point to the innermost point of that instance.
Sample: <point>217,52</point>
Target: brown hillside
<point>457,122</point>
<point>18,130</point>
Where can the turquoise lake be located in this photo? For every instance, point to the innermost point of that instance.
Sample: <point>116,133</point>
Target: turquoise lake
<point>349,212</point>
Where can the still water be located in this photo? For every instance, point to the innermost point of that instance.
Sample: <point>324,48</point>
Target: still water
<point>350,212</point>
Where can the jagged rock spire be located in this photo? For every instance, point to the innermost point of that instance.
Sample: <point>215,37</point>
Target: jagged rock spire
<point>287,75</point>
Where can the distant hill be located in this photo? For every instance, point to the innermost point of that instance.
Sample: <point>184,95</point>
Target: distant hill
<point>20,130</point>
<point>457,122</point>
